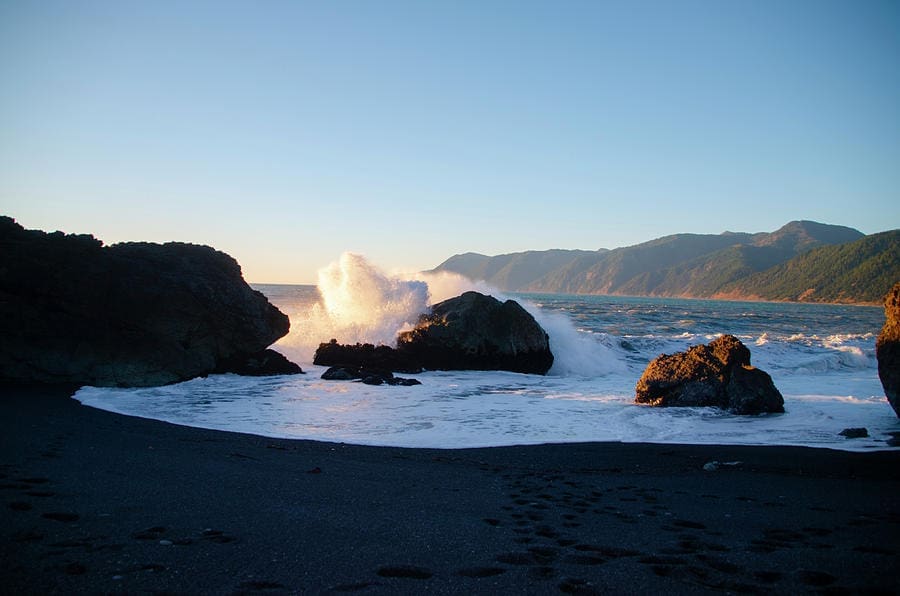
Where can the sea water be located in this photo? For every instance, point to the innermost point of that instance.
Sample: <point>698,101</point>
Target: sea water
<point>821,358</point>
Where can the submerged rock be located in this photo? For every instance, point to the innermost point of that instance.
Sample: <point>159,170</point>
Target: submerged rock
<point>718,374</point>
<point>133,314</point>
<point>469,332</point>
<point>855,433</point>
<point>887,348</point>
<point>366,375</point>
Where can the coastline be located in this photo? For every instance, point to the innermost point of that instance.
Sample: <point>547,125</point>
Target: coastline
<point>716,297</point>
<point>101,502</point>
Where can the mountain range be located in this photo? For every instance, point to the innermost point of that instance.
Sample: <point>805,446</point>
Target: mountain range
<point>803,261</point>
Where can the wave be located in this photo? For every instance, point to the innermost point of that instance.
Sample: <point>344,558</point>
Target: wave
<point>358,302</point>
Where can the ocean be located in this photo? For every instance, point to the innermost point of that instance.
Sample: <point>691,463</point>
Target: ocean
<point>821,358</point>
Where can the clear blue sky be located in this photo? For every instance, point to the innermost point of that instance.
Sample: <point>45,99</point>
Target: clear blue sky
<point>285,133</point>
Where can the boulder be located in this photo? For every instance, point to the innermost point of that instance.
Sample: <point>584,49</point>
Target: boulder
<point>469,332</point>
<point>887,348</point>
<point>478,332</point>
<point>718,374</point>
<point>134,314</point>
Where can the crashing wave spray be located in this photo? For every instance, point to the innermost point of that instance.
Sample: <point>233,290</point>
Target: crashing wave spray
<point>367,305</point>
<point>356,303</point>
<point>359,303</point>
<point>575,353</point>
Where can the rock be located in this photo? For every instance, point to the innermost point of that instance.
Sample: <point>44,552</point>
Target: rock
<point>718,374</point>
<point>133,314</point>
<point>264,363</point>
<point>887,348</point>
<point>469,332</point>
<point>855,433</point>
<point>712,466</point>
<point>363,356</point>
<point>478,332</point>
<point>340,373</point>
<point>368,376</point>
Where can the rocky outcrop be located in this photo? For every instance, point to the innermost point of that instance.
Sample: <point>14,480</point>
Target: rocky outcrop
<point>887,348</point>
<point>717,374</point>
<point>469,332</point>
<point>133,314</point>
<point>478,332</point>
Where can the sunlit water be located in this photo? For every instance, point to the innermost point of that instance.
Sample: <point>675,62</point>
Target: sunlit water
<point>821,357</point>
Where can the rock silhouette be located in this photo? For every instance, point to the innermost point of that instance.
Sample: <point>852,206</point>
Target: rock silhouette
<point>133,314</point>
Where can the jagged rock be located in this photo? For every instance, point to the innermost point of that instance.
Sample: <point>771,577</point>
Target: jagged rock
<point>133,314</point>
<point>887,348</point>
<point>469,332</point>
<point>717,374</point>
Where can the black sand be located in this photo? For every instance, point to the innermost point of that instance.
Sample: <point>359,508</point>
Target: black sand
<point>97,502</point>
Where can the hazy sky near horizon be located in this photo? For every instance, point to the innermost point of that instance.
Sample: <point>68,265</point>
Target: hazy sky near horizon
<point>285,133</point>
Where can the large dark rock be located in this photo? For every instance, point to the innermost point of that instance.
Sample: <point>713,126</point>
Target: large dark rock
<point>887,348</point>
<point>478,332</point>
<point>469,332</point>
<point>132,314</point>
<point>718,374</point>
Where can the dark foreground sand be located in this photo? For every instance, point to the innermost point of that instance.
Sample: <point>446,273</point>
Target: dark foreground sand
<point>97,502</point>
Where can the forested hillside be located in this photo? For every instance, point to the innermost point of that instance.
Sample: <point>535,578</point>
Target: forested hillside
<point>803,260</point>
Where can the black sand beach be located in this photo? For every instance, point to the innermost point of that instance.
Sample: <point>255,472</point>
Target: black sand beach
<point>97,502</point>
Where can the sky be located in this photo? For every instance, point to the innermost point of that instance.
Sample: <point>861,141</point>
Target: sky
<point>285,133</point>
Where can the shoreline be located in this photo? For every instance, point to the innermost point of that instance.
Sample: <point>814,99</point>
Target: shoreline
<point>100,502</point>
<point>717,298</point>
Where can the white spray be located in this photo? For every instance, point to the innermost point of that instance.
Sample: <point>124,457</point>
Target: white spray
<point>359,303</point>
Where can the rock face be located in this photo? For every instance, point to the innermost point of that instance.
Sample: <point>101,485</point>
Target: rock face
<point>887,348</point>
<point>133,314</point>
<point>469,332</point>
<point>718,374</point>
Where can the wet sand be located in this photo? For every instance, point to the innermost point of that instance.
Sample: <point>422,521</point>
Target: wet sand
<point>98,502</point>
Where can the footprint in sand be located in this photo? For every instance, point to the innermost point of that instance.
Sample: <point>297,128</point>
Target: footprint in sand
<point>62,516</point>
<point>480,572</point>
<point>405,571</point>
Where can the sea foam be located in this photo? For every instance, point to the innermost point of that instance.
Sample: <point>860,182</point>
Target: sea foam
<point>820,357</point>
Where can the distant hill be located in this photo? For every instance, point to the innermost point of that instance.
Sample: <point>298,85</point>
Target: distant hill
<point>831,263</point>
<point>515,270</point>
<point>861,271</point>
